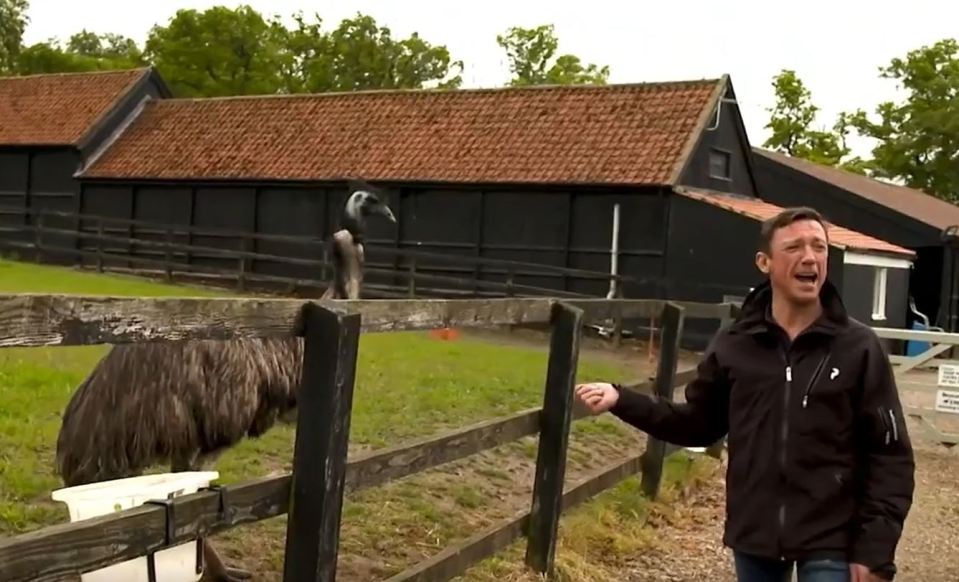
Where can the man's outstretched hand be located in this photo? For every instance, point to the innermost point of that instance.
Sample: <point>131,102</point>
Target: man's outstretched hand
<point>598,397</point>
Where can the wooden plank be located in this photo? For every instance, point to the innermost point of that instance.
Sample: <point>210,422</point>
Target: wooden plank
<point>920,359</point>
<point>51,553</point>
<point>47,320</point>
<point>554,438</point>
<point>455,560</point>
<point>672,323</point>
<point>934,337</point>
<point>324,409</point>
<point>399,461</point>
<point>933,363</point>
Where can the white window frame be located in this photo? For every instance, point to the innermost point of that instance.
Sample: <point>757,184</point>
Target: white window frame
<point>879,284</point>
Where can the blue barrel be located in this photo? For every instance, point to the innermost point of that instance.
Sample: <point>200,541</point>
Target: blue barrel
<point>914,347</point>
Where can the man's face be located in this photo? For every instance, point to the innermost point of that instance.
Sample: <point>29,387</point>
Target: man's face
<point>796,261</point>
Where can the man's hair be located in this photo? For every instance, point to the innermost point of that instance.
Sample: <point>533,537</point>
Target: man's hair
<point>785,218</point>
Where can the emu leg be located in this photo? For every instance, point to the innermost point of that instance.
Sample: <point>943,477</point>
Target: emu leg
<point>214,570</point>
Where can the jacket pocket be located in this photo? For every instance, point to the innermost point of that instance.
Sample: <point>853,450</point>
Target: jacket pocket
<point>889,425</point>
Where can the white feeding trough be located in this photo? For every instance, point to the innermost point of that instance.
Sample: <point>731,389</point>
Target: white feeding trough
<point>175,564</point>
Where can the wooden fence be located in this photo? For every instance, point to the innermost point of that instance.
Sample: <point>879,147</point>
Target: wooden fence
<point>230,258</point>
<point>322,474</point>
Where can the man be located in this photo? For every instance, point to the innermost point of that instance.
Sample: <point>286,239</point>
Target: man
<point>820,469</point>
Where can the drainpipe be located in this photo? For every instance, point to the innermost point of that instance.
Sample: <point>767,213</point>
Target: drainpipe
<point>614,253</point>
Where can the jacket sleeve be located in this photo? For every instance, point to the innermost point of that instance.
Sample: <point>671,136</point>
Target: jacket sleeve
<point>888,466</point>
<point>700,421</point>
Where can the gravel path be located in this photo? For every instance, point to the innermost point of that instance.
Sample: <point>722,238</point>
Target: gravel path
<point>689,547</point>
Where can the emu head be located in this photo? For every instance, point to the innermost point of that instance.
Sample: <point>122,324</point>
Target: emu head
<point>364,201</point>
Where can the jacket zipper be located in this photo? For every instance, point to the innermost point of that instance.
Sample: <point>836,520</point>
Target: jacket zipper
<point>812,381</point>
<point>785,438</point>
<point>885,422</point>
<point>895,428</point>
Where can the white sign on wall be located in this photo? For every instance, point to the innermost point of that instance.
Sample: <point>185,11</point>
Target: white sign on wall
<point>949,375</point>
<point>947,401</point>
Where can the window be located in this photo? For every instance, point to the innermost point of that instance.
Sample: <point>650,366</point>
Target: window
<point>879,294</point>
<point>718,164</point>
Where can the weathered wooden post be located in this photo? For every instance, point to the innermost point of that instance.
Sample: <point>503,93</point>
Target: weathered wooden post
<point>325,404</point>
<point>671,325</point>
<point>555,421</point>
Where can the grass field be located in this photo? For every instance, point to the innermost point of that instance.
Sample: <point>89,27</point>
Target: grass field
<point>408,385</point>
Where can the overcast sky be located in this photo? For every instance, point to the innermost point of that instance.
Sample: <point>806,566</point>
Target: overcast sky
<point>836,46</point>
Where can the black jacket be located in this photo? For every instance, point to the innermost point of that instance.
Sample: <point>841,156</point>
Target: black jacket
<point>820,463</point>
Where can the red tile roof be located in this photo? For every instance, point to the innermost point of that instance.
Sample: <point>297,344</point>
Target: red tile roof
<point>760,210</point>
<point>923,207</point>
<point>621,134</point>
<point>59,109</point>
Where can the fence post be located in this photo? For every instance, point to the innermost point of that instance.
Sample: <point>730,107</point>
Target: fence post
<point>671,325</point>
<point>38,238</point>
<point>411,282</point>
<point>168,256</point>
<point>325,405</point>
<point>555,421</point>
<point>245,247</point>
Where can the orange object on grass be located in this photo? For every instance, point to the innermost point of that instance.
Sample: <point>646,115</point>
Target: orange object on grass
<point>445,334</point>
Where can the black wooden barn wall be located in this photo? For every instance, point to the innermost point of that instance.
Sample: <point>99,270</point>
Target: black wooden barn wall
<point>552,226</point>
<point>35,177</point>
<point>40,178</point>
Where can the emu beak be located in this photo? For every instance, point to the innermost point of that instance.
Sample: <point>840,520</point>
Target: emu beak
<point>385,211</point>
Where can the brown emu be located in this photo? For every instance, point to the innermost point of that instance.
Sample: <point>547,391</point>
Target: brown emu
<point>186,402</point>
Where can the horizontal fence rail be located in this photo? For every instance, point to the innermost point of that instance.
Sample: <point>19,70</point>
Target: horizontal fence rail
<point>49,320</point>
<point>103,239</point>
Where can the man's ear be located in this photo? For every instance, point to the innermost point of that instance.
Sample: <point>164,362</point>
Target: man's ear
<point>762,262</point>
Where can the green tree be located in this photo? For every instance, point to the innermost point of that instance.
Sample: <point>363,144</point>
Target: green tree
<point>917,140</point>
<point>13,21</point>
<point>109,46</point>
<point>531,51</point>
<point>361,55</point>
<point>792,131</point>
<point>217,52</point>
<point>85,51</point>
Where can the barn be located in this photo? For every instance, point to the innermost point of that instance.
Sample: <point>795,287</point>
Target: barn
<point>53,124</point>
<point>903,216</point>
<point>565,176</point>
<point>529,174</point>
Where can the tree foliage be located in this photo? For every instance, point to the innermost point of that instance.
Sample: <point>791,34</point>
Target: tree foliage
<point>13,21</point>
<point>218,52</point>
<point>792,130</point>
<point>530,52</point>
<point>361,55</point>
<point>917,140</point>
<point>237,51</point>
<point>84,51</point>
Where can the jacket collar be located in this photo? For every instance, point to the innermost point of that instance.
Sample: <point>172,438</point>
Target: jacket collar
<point>755,314</point>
